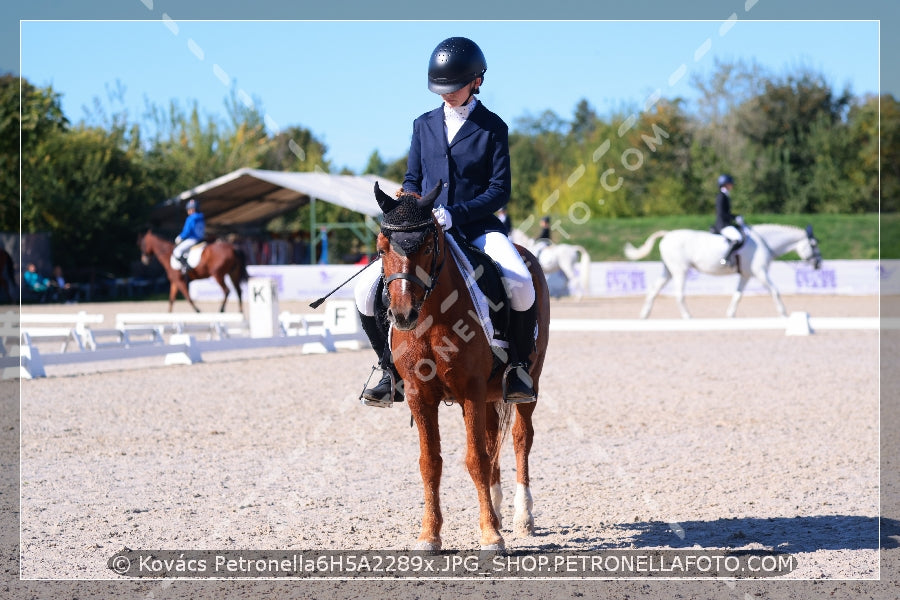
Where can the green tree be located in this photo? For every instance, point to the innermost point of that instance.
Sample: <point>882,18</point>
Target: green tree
<point>295,149</point>
<point>864,127</point>
<point>91,193</point>
<point>782,125</point>
<point>717,146</point>
<point>188,148</point>
<point>376,165</point>
<point>584,121</point>
<point>41,116</point>
<point>396,170</point>
<point>535,145</point>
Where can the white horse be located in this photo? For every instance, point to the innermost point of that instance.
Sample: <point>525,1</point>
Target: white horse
<point>559,257</point>
<point>682,249</point>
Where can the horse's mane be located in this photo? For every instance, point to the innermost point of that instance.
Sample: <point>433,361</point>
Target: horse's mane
<point>771,226</point>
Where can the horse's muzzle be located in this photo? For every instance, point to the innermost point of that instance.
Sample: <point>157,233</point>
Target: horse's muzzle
<point>404,321</point>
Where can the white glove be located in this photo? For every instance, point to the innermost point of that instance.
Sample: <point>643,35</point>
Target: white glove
<point>443,217</point>
<point>178,240</point>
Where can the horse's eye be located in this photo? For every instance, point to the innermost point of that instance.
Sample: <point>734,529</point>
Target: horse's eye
<point>427,251</point>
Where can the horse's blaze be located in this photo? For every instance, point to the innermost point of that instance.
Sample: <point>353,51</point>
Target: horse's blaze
<point>403,310</point>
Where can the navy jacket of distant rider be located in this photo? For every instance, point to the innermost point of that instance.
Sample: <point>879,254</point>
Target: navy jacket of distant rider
<point>724,218</point>
<point>474,168</point>
<point>194,227</point>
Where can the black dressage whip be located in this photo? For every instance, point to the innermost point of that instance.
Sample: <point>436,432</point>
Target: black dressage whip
<point>318,302</point>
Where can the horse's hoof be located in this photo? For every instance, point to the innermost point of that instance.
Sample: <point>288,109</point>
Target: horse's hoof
<point>427,547</point>
<point>524,526</point>
<point>499,547</point>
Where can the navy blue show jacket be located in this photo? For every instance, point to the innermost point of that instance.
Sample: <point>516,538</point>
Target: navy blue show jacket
<point>474,168</point>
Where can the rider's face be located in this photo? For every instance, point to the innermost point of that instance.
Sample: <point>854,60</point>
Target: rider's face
<point>457,98</point>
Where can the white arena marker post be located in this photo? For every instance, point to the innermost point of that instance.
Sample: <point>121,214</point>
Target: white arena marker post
<point>31,365</point>
<point>263,307</point>
<point>798,324</point>
<point>341,317</point>
<point>189,356</point>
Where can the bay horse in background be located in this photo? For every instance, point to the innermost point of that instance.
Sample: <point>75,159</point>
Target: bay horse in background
<point>217,260</point>
<point>555,257</point>
<point>442,354</point>
<point>7,278</point>
<point>682,249</point>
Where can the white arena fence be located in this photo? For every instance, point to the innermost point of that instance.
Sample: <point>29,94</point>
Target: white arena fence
<point>853,277</point>
<point>183,338</point>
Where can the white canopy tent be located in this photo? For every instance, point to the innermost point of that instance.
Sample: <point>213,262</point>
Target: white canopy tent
<point>253,196</point>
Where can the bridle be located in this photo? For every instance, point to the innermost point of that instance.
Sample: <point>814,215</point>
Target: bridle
<point>434,271</point>
<point>816,257</point>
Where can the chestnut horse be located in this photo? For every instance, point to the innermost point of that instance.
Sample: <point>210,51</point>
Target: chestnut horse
<point>7,278</point>
<point>218,259</point>
<point>442,354</point>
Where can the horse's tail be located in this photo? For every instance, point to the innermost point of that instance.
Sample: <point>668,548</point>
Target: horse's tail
<point>585,270</point>
<point>241,264</point>
<point>632,253</point>
<point>504,413</point>
<point>10,271</point>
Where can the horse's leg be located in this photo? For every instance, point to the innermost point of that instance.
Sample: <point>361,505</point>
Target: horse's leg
<point>776,297</point>
<point>493,440</point>
<point>236,281</point>
<point>736,297</point>
<point>220,279</point>
<point>182,286</point>
<point>568,270</point>
<point>654,292</point>
<point>679,280</point>
<point>523,436</point>
<point>430,466</point>
<point>173,291</point>
<point>479,465</point>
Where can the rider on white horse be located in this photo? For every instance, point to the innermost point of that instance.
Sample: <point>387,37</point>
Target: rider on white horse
<point>726,223</point>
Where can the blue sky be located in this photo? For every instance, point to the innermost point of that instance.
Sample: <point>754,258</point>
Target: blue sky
<point>358,85</point>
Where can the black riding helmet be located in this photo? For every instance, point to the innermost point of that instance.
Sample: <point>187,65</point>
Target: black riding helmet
<point>455,62</point>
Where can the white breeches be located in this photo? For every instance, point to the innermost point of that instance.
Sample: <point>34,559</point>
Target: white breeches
<point>182,248</point>
<point>516,276</point>
<point>732,233</point>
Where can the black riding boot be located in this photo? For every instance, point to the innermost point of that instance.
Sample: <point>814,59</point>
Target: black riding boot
<point>518,386</point>
<point>380,395</point>
<point>729,256</point>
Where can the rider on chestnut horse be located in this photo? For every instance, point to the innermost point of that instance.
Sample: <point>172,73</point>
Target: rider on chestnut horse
<point>192,234</point>
<point>466,146</point>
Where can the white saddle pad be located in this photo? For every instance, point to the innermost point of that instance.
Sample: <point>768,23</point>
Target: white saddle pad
<point>193,256</point>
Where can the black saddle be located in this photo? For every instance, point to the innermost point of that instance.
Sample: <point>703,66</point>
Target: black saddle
<point>490,282</point>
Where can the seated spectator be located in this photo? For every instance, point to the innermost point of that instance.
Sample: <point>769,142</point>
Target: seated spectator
<point>35,282</point>
<point>66,292</point>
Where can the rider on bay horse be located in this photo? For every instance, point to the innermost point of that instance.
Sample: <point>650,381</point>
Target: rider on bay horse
<point>727,225</point>
<point>466,146</point>
<point>192,233</point>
